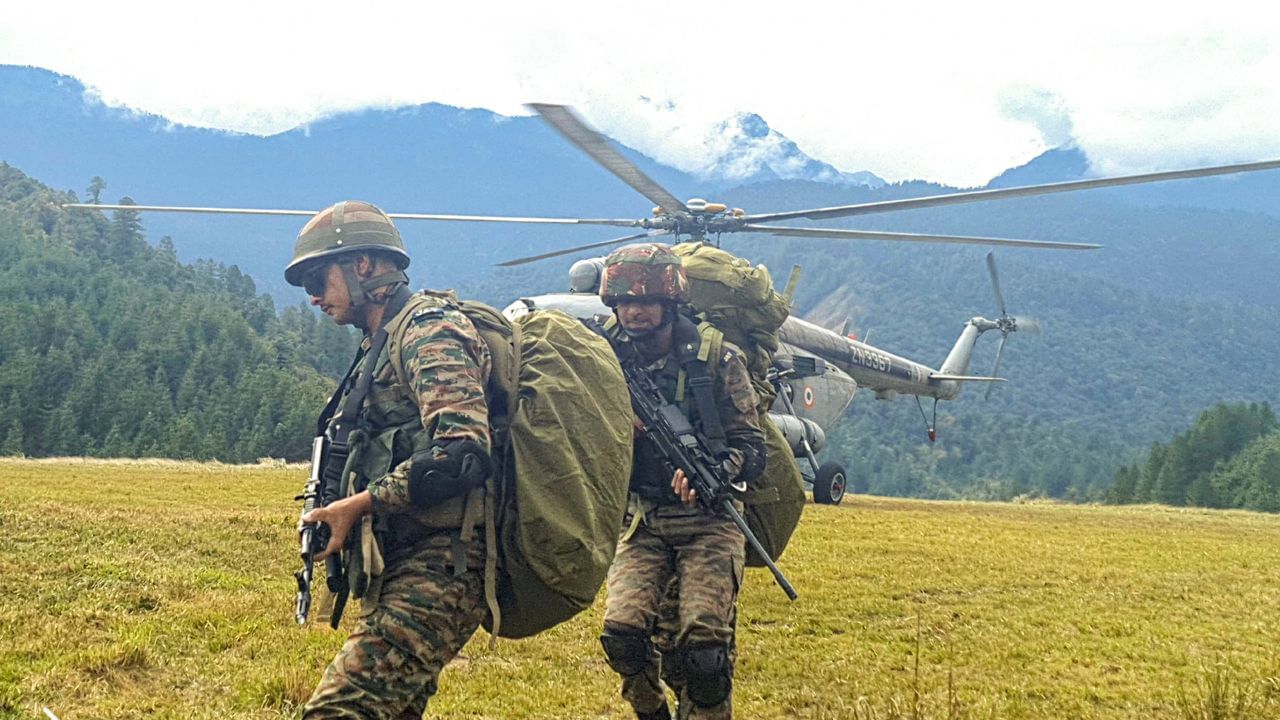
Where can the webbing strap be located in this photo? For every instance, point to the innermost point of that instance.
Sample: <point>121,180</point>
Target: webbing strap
<point>327,414</point>
<point>345,422</point>
<point>694,355</point>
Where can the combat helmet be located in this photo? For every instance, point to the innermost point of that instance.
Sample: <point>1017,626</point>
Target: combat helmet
<point>645,271</point>
<point>348,226</point>
<point>341,233</point>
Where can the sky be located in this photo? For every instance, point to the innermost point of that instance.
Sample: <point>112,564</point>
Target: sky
<point>953,92</point>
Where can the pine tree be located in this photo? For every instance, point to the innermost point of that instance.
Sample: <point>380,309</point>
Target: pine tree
<point>183,439</point>
<point>96,186</point>
<point>1174,478</point>
<point>1146,484</point>
<point>1122,490</point>
<point>12,446</point>
<point>115,445</point>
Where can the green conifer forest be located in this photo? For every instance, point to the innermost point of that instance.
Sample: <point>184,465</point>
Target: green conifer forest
<point>111,347</point>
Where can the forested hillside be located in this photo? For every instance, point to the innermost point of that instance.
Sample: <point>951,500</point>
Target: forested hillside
<point>111,347</point>
<point>1230,458</point>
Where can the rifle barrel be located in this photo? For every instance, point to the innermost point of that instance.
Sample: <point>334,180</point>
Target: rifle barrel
<point>755,544</point>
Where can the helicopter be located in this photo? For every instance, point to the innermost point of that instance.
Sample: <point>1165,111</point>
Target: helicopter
<point>817,371</point>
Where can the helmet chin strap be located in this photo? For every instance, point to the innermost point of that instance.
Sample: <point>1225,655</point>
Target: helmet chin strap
<point>361,291</point>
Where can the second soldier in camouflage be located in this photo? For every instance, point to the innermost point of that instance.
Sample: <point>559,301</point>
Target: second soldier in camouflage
<point>666,534</point>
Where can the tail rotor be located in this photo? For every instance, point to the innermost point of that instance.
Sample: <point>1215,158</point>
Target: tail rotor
<point>1006,323</point>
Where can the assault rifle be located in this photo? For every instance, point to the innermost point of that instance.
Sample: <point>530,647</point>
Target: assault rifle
<point>676,440</point>
<point>336,436</point>
<point>324,485</point>
<point>312,536</point>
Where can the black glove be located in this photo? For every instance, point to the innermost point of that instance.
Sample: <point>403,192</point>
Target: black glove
<point>447,470</point>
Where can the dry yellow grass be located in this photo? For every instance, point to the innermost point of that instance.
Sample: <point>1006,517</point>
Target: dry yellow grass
<point>162,589</point>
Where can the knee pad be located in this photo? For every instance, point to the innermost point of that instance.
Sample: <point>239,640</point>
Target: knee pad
<point>707,675</point>
<point>626,651</point>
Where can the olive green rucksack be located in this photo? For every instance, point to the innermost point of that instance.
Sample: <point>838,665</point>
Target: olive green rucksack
<point>561,419</point>
<point>739,301</point>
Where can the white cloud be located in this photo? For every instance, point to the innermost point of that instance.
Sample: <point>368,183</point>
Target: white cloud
<point>954,92</point>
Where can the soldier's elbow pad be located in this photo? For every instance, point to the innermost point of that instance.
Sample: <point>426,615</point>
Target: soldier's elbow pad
<point>447,470</point>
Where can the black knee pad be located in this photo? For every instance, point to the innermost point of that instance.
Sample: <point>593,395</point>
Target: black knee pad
<point>707,675</point>
<point>627,651</point>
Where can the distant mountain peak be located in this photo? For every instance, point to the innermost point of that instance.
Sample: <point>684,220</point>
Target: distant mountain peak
<point>753,125</point>
<point>743,149</point>
<point>1059,164</point>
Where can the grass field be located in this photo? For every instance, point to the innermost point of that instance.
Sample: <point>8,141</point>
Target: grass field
<point>164,590</point>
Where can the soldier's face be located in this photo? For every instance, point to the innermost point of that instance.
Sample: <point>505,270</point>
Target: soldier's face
<point>333,298</point>
<point>640,316</point>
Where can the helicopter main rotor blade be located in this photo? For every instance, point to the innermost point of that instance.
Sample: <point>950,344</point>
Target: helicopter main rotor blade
<point>171,208</point>
<point>394,216</point>
<point>566,251</point>
<point>1014,192</point>
<point>914,237</point>
<point>995,283</point>
<point>597,146</point>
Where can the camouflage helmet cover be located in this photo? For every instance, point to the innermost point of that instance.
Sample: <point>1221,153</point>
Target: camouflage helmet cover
<point>348,226</point>
<point>648,271</point>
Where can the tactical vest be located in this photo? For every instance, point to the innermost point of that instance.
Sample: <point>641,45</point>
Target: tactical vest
<point>391,432</point>
<point>773,508</point>
<point>695,350</point>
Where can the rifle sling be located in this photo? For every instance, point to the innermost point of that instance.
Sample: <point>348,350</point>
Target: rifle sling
<point>687,342</point>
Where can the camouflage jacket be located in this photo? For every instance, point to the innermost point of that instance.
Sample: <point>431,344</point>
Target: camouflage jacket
<point>735,399</point>
<point>447,366</point>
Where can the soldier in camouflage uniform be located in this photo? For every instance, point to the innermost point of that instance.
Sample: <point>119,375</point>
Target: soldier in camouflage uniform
<point>667,535</point>
<point>423,457</point>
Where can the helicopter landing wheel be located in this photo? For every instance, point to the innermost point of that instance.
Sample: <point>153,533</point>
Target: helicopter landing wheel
<point>829,485</point>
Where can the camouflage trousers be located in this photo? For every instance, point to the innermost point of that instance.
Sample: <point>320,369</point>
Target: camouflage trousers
<point>425,613</point>
<point>664,642</point>
<point>703,555</point>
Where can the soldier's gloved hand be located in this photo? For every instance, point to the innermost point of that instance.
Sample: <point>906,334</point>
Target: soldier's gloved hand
<point>447,470</point>
<point>730,470</point>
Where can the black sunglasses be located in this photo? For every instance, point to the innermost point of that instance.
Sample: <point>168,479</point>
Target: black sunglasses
<point>315,281</point>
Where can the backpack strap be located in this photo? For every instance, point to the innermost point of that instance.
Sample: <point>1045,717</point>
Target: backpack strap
<point>697,355</point>
<point>502,456</point>
<point>419,305</point>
